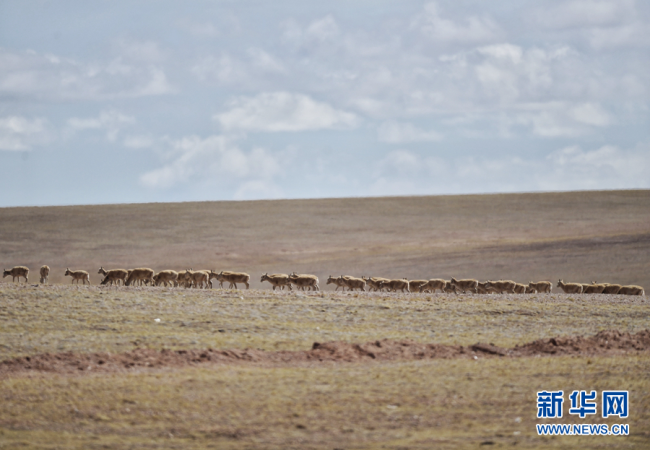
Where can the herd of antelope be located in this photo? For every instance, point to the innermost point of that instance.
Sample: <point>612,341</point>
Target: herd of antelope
<point>477,287</point>
<point>203,279</point>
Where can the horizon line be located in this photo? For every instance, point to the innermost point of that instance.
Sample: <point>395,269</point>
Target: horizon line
<point>329,198</point>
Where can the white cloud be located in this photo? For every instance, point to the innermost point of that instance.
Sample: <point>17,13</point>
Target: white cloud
<point>396,133</point>
<point>148,52</point>
<point>485,81</point>
<point>138,141</point>
<point>548,92</point>
<point>323,29</point>
<point>402,172</point>
<point>509,52</point>
<point>318,31</point>
<point>215,160</point>
<point>510,73</point>
<point>18,133</point>
<point>402,77</point>
<point>48,77</point>
<point>223,69</point>
<point>549,124</point>
<point>602,23</point>
<point>608,167</point>
<point>264,61</point>
<point>636,34</point>
<point>587,13</point>
<point>396,75</point>
<point>156,85</point>
<point>371,106</point>
<point>283,111</point>
<point>227,69</point>
<point>590,114</point>
<point>401,161</point>
<point>110,121</point>
<point>561,119</point>
<point>472,30</point>
<point>603,163</point>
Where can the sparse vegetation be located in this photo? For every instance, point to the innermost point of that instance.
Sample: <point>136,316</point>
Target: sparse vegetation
<point>440,403</point>
<point>415,405</point>
<point>89,319</point>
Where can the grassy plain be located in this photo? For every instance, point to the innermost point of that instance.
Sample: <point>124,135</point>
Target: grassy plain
<point>63,318</point>
<point>397,405</point>
<point>408,405</point>
<point>455,403</point>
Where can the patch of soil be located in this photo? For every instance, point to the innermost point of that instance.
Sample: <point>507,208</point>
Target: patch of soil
<point>605,342</point>
<point>611,342</point>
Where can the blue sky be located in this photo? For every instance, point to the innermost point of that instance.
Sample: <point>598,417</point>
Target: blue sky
<point>155,101</point>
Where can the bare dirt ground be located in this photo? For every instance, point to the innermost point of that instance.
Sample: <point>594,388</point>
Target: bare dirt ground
<point>605,343</point>
<point>92,367</point>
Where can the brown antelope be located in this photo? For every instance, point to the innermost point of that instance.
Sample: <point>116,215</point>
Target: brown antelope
<point>416,285</point>
<point>520,288</point>
<point>612,288</point>
<point>232,278</point>
<point>201,279</point>
<point>594,288</point>
<point>352,283</point>
<point>17,272</point>
<point>45,274</point>
<point>373,283</point>
<point>77,275</point>
<point>113,276</point>
<point>337,281</point>
<point>304,281</point>
<point>143,275</point>
<point>485,288</point>
<point>502,286</point>
<point>632,290</point>
<point>465,285</point>
<point>279,280</point>
<point>449,288</point>
<point>570,288</point>
<point>541,286</point>
<point>395,285</point>
<point>433,285</point>
<point>166,277</point>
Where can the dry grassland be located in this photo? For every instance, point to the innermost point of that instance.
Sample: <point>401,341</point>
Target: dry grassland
<point>413,405</point>
<point>64,318</point>
<point>397,405</point>
<point>443,403</point>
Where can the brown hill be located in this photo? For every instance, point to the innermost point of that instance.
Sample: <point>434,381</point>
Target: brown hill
<point>578,236</point>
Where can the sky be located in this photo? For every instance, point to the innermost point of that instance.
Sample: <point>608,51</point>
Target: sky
<point>164,101</point>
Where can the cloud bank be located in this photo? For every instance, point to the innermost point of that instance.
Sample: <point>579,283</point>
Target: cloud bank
<point>331,99</point>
